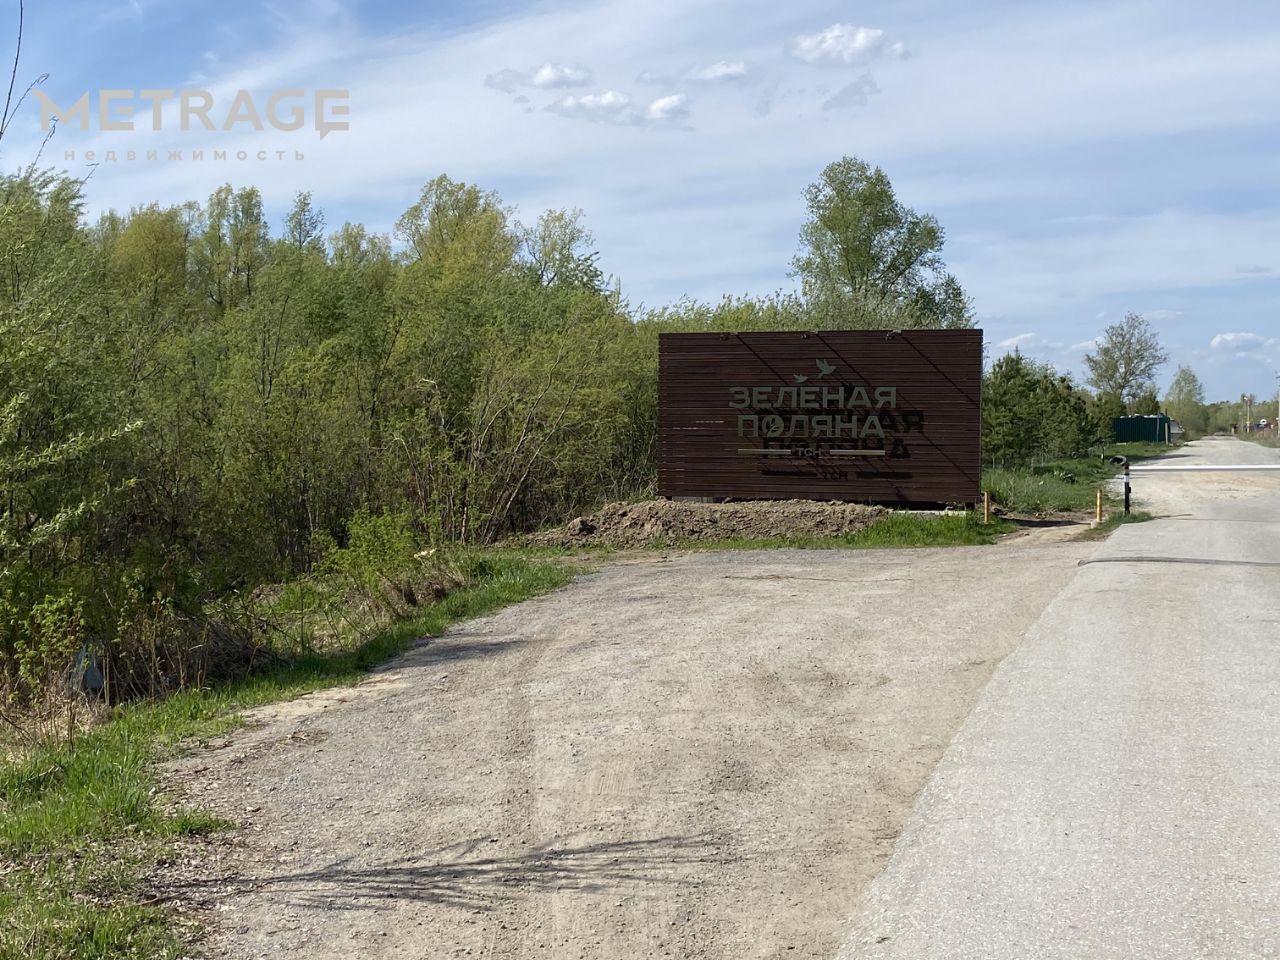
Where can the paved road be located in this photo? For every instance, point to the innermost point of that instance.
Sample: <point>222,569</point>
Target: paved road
<point>1116,791</point>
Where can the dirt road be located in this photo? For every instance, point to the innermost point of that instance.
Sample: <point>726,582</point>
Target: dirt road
<point>1233,496</point>
<point>699,756</point>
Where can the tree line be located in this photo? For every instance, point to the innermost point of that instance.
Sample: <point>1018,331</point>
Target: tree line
<point>1032,414</point>
<point>194,404</point>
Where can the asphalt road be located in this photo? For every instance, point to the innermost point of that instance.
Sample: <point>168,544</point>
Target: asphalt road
<point>1116,791</point>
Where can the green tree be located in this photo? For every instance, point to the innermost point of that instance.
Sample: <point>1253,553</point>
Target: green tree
<point>863,252</point>
<point>1031,413</point>
<point>231,246</point>
<point>192,405</point>
<point>1126,359</point>
<point>1146,403</point>
<point>304,225</point>
<point>559,250</point>
<point>61,413</point>
<point>1185,402</point>
<point>1104,408</point>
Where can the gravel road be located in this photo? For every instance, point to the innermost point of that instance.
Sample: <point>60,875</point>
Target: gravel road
<point>693,756</point>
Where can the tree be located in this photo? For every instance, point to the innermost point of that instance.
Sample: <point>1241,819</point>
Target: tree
<point>304,226</point>
<point>1185,402</point>
<point>860,244</point>
<point>558,250</point>
<point>1127,359</point>
<point>1145,404</point>
<point>459,221</point>
<point>1103,410</point>
<point>61,416</point>
<point>945,303</point>
<point>1032,413</point>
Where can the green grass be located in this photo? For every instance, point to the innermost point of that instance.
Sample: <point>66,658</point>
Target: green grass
<point>81,823</point>
<point>1061,486</point>
<point>48,914</point>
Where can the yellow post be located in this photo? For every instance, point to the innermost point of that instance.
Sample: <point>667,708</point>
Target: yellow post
<point>986,507</point>
<point>1099,513</point>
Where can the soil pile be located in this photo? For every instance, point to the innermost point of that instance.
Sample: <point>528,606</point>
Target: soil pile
<point>670,521</point>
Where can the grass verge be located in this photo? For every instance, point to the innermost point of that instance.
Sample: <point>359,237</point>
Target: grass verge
<point>1062,486</point>
<point>1265,438</point>
<point>83,823</point>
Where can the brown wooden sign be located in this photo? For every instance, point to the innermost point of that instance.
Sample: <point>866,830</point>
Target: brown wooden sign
<point>870,415</point>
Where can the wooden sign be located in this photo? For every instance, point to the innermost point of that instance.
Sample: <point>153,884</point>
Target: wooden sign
<point>867,415</point>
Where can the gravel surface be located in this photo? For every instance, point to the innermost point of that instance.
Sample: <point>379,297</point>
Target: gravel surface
<point>693,756</point>
<point>1219,496</point>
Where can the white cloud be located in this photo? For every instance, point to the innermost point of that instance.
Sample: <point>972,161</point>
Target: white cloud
<point>1018,342</point>
<point>855,94</point>
<point>666,109</point>
<point>1031,343</point>
<point>1243,342</point>
<point>844,44</point>
<point>549,76</point>
<point>722,70</point>
<point>617,108</point>
<point>607,107</point>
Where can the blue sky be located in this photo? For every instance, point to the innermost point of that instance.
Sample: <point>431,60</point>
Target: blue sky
<point>1085,159</point>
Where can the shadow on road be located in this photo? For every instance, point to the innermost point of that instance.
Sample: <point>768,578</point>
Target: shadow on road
<point>454,647</point>
<point>467,875</point>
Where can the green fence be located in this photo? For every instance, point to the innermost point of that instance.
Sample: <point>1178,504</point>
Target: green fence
<point>1153,428</point>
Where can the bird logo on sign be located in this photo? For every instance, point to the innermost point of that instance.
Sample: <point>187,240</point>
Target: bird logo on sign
<point>824,369</point>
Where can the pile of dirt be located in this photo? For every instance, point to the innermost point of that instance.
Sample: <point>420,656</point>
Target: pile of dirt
<point>670,521</point>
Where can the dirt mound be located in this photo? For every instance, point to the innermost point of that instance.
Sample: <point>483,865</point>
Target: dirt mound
<point>637,524</point>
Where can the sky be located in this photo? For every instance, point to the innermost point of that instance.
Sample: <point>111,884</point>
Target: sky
<point>1085,159</point>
